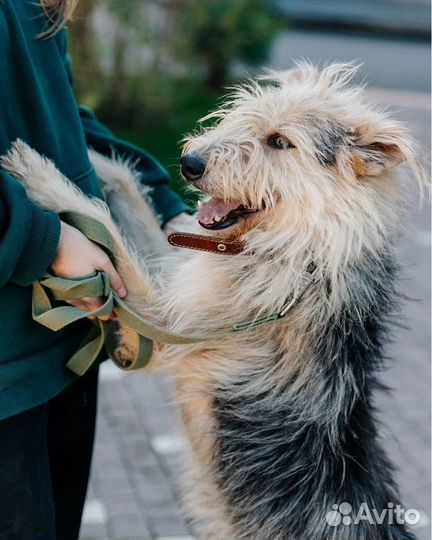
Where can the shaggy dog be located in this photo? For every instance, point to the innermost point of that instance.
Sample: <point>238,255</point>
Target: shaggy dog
<point>280,417</point>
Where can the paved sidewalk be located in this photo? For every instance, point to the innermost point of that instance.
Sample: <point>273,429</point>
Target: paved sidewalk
<point>133,493</point>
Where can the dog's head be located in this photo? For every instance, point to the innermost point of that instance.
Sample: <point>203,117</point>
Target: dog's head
<point>297,147</point>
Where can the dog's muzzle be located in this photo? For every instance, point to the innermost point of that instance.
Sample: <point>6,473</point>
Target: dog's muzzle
<point>192,167</point>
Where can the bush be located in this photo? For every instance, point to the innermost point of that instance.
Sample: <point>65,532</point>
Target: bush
<point>214,33</point>
<point>151,69</point>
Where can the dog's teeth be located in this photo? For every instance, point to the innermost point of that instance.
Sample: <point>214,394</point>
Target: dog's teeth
<point>217,219</point>
<point>199,204</point>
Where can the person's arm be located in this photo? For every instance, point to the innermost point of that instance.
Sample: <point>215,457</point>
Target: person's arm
<point>166,202</point>
<point>29,236</point>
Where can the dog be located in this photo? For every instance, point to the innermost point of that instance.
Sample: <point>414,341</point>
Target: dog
<point>304,174</point>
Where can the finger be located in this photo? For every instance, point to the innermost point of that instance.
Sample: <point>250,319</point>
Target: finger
<point>78,303</point>
<point>105,318</point>
<point>94,303</point>
<point>81,305</point>
<point>115,280</point>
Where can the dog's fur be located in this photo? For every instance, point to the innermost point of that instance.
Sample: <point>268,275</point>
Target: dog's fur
<point>280,419</point>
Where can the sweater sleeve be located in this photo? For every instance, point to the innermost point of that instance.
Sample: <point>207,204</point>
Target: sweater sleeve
<point>29,236</point>
<point>165,201</point>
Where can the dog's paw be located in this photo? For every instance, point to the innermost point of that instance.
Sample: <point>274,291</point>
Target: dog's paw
<point>43,182</point>
<point>127,347</point>
<point>22,162</point>
<point>38,174</point>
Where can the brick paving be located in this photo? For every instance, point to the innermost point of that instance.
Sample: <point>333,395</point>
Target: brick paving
<point>134,494</point>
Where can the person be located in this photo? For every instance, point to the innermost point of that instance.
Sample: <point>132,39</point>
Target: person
<point>47,414</point>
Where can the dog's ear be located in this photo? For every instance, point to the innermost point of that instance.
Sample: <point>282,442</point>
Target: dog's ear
<point>376,150</point>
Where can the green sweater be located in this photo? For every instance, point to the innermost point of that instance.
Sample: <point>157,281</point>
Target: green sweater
<point>37,104</point>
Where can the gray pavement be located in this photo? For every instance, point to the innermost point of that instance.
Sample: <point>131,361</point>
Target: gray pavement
<point>134,491</point>
<point>405,411</point>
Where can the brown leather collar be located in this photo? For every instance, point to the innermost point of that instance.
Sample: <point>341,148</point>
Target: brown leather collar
<point>205,243</point>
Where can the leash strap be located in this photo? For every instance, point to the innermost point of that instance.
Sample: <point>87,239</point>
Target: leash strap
<point>50,291</point>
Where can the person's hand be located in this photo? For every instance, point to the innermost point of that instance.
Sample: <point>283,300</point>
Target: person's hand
<point>78,256</point>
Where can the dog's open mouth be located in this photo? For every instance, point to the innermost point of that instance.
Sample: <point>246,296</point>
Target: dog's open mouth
<point>215,214</point>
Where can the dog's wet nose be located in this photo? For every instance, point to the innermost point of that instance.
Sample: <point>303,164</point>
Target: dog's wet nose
<point>192,166</point>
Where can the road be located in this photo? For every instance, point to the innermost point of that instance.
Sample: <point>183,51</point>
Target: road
<point>403,16</point>
<point>387,63</point>
<point>134,493</point>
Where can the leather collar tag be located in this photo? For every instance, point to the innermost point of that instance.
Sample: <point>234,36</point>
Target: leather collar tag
<point>205,243</point>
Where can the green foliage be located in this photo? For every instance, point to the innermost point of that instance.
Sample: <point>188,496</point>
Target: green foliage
<point>151,69</point>
<point>162,136</point>
<point>214,33</point>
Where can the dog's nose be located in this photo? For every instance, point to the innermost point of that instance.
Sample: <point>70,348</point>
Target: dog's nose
<point>192,166</point>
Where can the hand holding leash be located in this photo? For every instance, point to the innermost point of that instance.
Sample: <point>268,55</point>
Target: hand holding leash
<point>78,256</point>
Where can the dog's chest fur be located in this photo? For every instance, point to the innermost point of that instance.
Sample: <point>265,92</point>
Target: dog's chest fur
<point>278,441</point>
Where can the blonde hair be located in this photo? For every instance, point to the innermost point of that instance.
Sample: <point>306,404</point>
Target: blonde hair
<point>58,13</point>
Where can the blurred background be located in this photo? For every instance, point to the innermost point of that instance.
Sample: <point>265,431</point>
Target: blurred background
<point>150,69</point>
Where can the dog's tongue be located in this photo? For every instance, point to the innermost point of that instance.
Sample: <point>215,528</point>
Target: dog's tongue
<point>214,207</point>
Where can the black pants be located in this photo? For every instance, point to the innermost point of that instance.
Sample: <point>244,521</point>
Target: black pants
<point>45,456</point>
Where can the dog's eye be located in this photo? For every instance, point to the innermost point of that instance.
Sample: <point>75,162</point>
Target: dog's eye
<point>279,142</point>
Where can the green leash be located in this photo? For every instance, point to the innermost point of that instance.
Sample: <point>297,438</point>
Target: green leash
<point>50,291</point>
